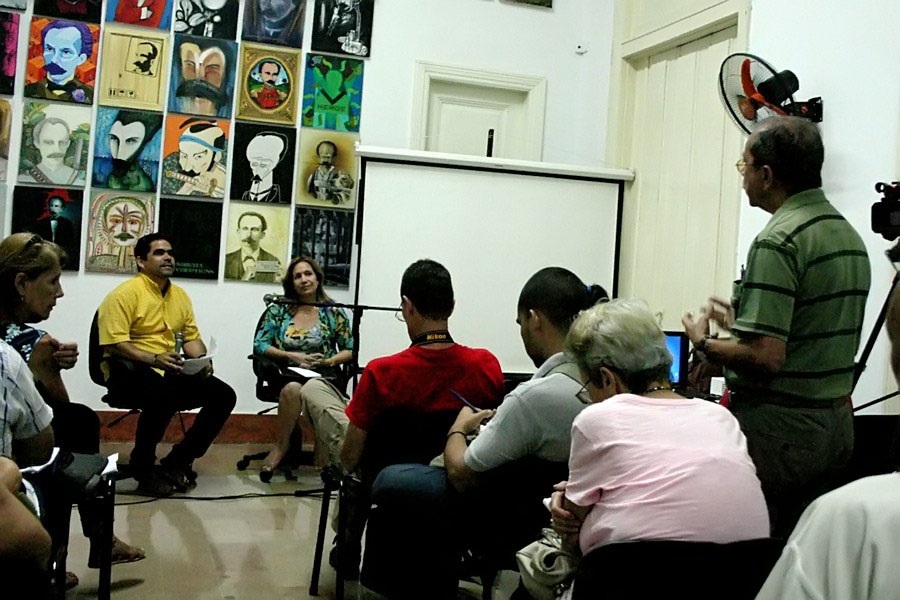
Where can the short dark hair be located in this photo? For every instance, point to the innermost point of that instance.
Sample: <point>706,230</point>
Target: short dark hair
<point>250,213</point>
<point>152,123</point>
<point>427,285</point>
<point>270,61</point>
<point>793,149</point>
<point>196,125</point>
<point>142,247</point>
<point>87,40</point>
<point>559,295</point>
<point>334,147</point>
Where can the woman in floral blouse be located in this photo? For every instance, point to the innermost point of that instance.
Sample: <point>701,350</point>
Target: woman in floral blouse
<point>312,337</point>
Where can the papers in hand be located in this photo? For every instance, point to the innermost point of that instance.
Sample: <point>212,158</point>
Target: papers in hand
<point>304,372</point>
<point>39,468</point>
<point>192,366</point>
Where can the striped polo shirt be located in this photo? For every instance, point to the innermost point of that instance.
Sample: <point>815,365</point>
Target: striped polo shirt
<point>806,282</point>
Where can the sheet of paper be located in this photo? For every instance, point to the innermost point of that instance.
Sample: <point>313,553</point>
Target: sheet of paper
<point>192,366</point>
<point>39,468</point>
<point>304,372</point>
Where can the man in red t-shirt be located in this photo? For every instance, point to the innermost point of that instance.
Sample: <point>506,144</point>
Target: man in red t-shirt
<point>420,378</point>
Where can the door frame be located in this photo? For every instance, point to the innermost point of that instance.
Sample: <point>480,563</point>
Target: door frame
<point>534,88</point>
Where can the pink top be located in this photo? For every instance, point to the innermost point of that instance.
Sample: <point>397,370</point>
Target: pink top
<point>663,468</point>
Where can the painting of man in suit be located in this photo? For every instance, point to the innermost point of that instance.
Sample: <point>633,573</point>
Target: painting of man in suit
<point>62,61</point>
<point>251,262</point>
<point>52,213</point>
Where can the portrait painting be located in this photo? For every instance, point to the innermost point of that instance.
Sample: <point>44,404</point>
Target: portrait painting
<point>262,166</point>
<point>196,227</point>
<point>202,81</point>
<point>327,169</point>
<point>117,220</point>
<point>207,18</point>
<point>195,151</point>
<point>274,22</point>
<point>52,213</point>
<point>143,13</point>
<point>55,141</point>
<point>268,84</point>
<point>79,10</point>
<point>14,4</point>
<point>62,60</point>
<point>9,50</point>
<point>257,242</point>
<point>332,92</point>
<point>343,27</point>
<point>134,68</point>
<point>127,145</point>
<point>5,123</point>
<point>327,236</point>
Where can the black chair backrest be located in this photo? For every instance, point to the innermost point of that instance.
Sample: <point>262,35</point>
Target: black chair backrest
<point>402,435</point>
<point>95,354</point>
<point>676,569</point>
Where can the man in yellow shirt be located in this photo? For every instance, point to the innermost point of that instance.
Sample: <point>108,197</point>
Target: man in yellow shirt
<point>139,322</point>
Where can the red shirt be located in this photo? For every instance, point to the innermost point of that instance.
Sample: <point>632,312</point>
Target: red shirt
<point>268,97</point>
<point>422,377</point>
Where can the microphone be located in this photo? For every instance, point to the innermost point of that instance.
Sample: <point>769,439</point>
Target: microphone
<point>277,299</point>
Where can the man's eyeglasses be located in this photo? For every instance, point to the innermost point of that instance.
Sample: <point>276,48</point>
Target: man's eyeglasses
<point>742,165</point>
<point>399,315</point>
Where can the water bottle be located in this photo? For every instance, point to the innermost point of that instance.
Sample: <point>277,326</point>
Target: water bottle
<point>179,342</point>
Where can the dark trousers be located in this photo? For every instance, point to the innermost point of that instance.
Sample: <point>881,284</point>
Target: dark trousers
<point>159,398</point>
<point>799,453</point>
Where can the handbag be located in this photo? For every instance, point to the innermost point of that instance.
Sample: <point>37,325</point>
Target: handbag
<point>545,567</point>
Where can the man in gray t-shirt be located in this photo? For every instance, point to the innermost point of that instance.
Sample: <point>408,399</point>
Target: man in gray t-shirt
<point>535,419</point>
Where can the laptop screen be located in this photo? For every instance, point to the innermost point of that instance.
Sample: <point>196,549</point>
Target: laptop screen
<point>679,346</point>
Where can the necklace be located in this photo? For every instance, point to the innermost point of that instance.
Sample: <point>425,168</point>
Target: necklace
<point>658,388</point>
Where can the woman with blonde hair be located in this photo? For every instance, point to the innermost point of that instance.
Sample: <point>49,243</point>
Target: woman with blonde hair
<point>30,272</point>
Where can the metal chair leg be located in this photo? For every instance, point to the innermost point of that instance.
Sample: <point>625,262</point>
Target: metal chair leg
<point>320,541</point>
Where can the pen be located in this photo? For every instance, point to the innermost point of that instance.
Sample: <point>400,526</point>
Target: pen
<point>464,401</point>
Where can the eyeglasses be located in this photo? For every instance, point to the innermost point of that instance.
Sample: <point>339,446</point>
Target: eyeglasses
<point>583,395</point>
<point>399,315</point>
<point>742,165</point>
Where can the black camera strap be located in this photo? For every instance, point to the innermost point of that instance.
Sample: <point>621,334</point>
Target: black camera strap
<point>433,337</point>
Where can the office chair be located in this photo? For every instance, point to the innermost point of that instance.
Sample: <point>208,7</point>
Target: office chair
<point>677,569</point>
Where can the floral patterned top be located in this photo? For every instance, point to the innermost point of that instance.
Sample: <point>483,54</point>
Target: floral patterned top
<point>329,336</point>
<point>21,337</point>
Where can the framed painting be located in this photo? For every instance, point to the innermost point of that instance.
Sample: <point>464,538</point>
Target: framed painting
<point>9,50</point>
<point>268,84</point>
<point>274,22</point>
<point>117,221</point>
<point>326,173</point>
<point>196,227</point>
<point>195,156</point>
<point>52,213</point>
<point>62,60</point>
<point>262,167</point>
<point>55,140</point>
<point>156,14</point>
<point>134,68</point>
<point>126,149</point>
<point>327,236</point>
<point>343,27</point>
<point>13,4</point>
<point>79,10</point>
<point>257,242</point>
<point>5,122</point>
<point>207,18</point>
<point>202,81</point>
<point>332,92</point>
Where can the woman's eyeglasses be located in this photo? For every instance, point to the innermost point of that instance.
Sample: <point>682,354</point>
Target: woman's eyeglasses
<point>584,395</point>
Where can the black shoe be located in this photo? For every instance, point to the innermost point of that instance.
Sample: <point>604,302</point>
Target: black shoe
<point>348,567</point>
<point>154,483</point>
<point>183,478</point>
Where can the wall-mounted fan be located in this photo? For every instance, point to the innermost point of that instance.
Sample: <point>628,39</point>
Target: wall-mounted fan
<point>752,90</point>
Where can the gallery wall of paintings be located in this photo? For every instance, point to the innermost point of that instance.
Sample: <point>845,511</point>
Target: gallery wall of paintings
<point>207,119</point>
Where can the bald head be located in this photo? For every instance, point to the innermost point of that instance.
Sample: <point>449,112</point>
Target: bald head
<point>792,148</point>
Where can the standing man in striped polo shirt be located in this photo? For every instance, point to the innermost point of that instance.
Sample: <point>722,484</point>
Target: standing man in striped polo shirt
<point>796,319</point>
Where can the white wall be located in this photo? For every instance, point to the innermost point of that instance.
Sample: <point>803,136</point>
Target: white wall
<point>848,53</point>
<point>499,36</point>
<point>486,34</point>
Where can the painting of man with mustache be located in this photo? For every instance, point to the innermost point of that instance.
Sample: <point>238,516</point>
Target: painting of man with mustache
<point>55,139</point>
<point>202,80</point>
<point>126,151</point>
<point>52,213</point>
<point>117,222</point>
<point>62,61</point>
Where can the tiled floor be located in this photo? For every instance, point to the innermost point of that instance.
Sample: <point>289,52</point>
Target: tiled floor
<point>206,547</point>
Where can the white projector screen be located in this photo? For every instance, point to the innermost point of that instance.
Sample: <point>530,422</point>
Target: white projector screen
<point>492,228</point>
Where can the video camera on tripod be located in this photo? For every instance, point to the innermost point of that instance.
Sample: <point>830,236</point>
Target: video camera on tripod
<point>886,214</point>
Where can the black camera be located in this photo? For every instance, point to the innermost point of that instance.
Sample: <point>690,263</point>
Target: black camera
<point>886,212</point>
